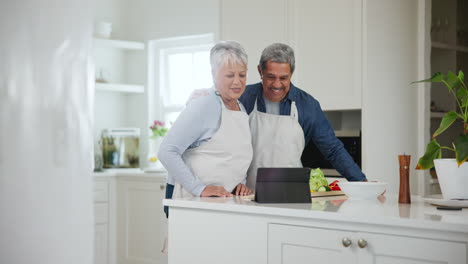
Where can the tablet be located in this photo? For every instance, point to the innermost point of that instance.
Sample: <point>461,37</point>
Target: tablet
<point>283,185</point>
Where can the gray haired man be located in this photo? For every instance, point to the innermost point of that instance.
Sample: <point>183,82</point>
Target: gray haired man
<point>284,119</point>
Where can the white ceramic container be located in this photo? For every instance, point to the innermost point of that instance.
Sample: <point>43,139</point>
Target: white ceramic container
<point>103,29</point>
<point>363,190</point>
<point>453,180</point>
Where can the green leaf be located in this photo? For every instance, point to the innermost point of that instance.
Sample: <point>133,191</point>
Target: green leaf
<point>462,95</point>
<point>446,122</point>
<point>461,149</point>
<point>461,76</point>
<point>433,151</point>
<point>452,81</point>
<point>437,77</point>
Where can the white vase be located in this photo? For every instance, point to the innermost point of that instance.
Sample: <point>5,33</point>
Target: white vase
<point>453,180</point>
<point>153,160</point>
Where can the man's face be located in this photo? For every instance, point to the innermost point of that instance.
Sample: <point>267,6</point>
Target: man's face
<point>276,80</point>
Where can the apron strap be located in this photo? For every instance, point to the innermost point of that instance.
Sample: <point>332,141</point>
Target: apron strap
<point>294,112</point>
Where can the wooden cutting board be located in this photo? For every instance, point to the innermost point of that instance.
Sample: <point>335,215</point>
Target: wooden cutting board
<point>324,194</point>
<point>313,194</point>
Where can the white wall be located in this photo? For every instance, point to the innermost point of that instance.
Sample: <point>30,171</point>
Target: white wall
<point>390,113</point>
<point>154,19</point>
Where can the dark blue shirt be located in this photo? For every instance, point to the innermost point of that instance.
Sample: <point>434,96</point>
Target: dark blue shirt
<point>314,124</point>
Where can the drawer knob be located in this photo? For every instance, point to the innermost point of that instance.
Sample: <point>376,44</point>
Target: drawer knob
<point>346,242</point>
<point>362,243</point>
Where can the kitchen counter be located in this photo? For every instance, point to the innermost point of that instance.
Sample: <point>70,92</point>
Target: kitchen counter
<point>387,211</point>
<point>264,230</point>
<point>160,175</point>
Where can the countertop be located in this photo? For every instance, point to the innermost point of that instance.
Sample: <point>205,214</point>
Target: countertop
<point>385,211</point>
<point>159,174</point>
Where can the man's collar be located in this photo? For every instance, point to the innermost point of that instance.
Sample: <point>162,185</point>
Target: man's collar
<point>293,93</point>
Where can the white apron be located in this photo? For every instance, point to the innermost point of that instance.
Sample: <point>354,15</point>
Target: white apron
<point>225,158</point>
<point>277,140</point>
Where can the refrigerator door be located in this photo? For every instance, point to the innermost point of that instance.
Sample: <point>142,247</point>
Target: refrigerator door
<point>46,144</point>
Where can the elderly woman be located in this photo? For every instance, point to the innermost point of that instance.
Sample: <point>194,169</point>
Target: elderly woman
<point>208,149</point>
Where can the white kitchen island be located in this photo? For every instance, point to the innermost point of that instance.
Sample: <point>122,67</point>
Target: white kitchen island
<point>330,230</point>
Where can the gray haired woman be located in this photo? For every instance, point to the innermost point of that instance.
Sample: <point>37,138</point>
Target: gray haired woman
<point>208,150</point>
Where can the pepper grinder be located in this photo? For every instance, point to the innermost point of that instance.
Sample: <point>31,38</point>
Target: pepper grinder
<point>404,195</point>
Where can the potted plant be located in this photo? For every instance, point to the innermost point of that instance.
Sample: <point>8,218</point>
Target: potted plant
<point>452,173</point>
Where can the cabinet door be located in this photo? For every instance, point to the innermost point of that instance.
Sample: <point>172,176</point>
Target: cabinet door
<point>388,249</point>
<point>141,222</point>
<point>254,24</point>
<point>327,39</point>
<point>101,245</point>
<point>295,245</point>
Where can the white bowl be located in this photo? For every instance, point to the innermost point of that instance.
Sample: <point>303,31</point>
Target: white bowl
<point>363,190</point>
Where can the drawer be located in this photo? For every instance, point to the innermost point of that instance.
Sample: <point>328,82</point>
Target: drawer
<point>101,213</point>
<point>101,191</point>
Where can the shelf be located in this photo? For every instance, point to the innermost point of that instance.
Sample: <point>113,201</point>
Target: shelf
<point>118,44</point>
<point>438,114</point>
<point>440,45</point>
<point>118,87</point>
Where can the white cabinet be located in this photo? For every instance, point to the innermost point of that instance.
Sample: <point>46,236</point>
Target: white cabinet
<point>104,221</point>
<point>101,243</point>
<point>254,24</point>
<point>297,244</point>
<point>141,222</point>
<point>326,37</point>
<point>294,244</point>
<point>386,249</point>
<point>204,230</point>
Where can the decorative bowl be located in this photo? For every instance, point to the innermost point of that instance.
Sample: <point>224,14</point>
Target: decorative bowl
<point>363,190</point>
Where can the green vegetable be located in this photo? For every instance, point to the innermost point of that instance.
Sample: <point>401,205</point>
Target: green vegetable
<point>317,179</point>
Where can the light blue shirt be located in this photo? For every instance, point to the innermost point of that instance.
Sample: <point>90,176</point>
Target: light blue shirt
<point>199,121</point>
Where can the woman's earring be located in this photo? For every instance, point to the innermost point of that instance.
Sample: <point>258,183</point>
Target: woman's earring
<point>217,93</point>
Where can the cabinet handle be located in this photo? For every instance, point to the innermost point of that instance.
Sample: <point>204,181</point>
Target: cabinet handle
<point>162,186</point>
<point>346,242</point>
<point>362,243</point>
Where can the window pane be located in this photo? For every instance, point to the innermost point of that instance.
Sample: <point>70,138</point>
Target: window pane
<point>202,69</point>
<point>180,75</point>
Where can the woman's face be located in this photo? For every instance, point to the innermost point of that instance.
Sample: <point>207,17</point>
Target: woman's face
<point>229,81</point>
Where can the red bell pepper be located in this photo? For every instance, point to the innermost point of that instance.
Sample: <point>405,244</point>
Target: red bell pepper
<point>334,186</point>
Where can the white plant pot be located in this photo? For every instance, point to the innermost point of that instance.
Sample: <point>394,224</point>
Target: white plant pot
<point>453,180</point>
<point>153,160</point>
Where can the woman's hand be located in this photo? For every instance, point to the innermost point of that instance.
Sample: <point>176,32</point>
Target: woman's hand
<point>242,190</point>
<point>217,191</point>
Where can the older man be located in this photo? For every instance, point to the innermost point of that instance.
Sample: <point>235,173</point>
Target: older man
<point>284,119</point>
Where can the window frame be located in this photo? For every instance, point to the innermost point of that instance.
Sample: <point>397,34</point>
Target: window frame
<point>156,48</point>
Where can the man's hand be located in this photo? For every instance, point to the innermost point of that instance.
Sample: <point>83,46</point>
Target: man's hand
<point>198,93</point>
<point>217,191</point>
<point>242,190</point>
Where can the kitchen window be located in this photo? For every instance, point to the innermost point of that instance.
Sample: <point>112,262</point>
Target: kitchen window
<point>179,66</point>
